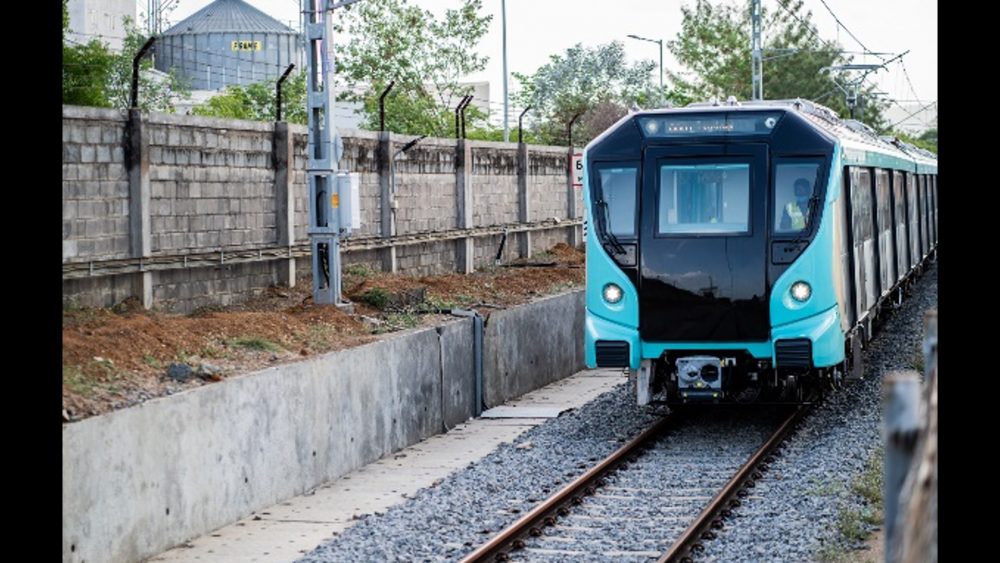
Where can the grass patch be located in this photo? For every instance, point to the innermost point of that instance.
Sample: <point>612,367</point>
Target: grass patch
<point>319,336</point>
<point>75,314</point>
<point>826,488</point>
<point>210,351</point>
<point>851,525</point>
<point>363,271</point>
<point>854,524</point>
<point>257,344</point>
<point>376,297</point>
<point>152,362</point>
<point>869,483</point>
<point>96,375</point>
<point>78,382</point>
<point>398,321</point>
<point>917,363</point>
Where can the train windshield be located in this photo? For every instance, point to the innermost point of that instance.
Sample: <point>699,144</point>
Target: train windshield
<point>704,199</point>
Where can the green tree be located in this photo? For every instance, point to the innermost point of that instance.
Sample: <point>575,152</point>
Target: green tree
<point>929,138</point>
<point>926,140</point>
<point>391,40</point>
<point>94,76</point>
<point>155,92</point>
<point>257,101</point>
<point>592,81</point>
<point>85,69</point>
<point>714,44</point>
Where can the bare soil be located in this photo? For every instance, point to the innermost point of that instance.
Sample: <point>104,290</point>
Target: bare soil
<point>118,357</point>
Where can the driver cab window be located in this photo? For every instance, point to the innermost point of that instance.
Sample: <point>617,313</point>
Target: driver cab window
<point>618,188</point>
<point>794,187</point>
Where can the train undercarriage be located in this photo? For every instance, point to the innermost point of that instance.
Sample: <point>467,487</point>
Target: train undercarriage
<point>679,378</point>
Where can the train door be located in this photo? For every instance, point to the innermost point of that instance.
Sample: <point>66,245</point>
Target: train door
<point>934,207</point>
<point>703,247</point>
<point>926,216</point>
<point>883,227</point>
<point>913,217</point>
<point>899,218</point>
<point>865,274</point>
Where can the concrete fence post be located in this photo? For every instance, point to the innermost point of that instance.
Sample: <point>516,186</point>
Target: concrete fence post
<point>464,252</point>
<point>140,232</point>
<point>573,238</point>
<point>930,344</point>
<point>284,166</point>
<point>915,534</point>
<point>387,203</point>
<point>901,393</point>
<point>523,202</point>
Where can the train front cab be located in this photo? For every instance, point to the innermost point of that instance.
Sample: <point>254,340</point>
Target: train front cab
<point>709,296</point>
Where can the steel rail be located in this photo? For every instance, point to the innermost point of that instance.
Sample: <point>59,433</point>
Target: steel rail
<point>545,514</point>
<point>690,539</point>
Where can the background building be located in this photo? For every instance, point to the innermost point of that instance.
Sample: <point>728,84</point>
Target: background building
<point>228,42</point>
<point>99,19</point>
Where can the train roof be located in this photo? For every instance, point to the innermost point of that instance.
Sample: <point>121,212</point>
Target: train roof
<point>861,144</point>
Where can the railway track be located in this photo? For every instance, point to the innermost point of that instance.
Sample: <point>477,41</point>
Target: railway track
<point>658,496</point>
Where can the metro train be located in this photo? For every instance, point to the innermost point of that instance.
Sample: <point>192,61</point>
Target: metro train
<point>742,252</point>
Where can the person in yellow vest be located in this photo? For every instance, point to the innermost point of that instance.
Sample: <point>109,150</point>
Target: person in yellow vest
<point>795,215</point>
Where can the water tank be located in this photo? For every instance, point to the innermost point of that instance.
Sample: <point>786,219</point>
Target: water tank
<point>228,42</point>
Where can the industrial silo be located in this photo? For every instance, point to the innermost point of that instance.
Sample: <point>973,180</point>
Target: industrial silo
<point>228,42</point>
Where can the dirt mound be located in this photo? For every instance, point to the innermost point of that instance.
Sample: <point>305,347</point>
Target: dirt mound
<point>118,357</point>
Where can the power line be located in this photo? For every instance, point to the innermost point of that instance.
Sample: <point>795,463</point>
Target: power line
<point>868,51</point>
<point>831,45</point>
<point>841,24</point>
<point>907,75</point>
<point>889,127</point>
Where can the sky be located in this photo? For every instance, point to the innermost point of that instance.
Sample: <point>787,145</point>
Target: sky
<point>537,29</point>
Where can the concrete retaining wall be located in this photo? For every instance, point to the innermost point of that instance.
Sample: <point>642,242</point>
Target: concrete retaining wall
<point>141,480</point>
<point>526,348</point>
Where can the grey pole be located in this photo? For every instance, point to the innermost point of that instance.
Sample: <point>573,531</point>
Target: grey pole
<point>756,63</point>
<point>322,170</point>
<point>660,41</point>
<point>901,412</point>
<point>503,18</point>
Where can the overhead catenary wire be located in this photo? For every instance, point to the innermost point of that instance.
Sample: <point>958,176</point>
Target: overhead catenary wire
<point>829,44</point>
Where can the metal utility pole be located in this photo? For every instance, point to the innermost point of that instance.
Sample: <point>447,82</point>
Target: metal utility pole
<point>330,195</point>
<point>503,18</point>
<point>660,43</point>
<point>756,52</point>
<point>154,15</point>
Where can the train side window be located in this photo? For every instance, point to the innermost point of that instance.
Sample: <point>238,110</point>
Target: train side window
<point>898,195</point>
<point>861,206</point>
<point>618,186</point>
<point>704,199</point>
<point>882,199</point>
<point>794,187</point>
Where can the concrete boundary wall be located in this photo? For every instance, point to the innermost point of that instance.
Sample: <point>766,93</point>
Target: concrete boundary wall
<point>149,188</point>
<point>143,479</point>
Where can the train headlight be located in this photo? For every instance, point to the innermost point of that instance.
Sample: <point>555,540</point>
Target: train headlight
<point>801,291</point>
<point>612,293</point>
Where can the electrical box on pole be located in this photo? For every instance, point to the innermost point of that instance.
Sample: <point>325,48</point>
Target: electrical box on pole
<point>349,189</point>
